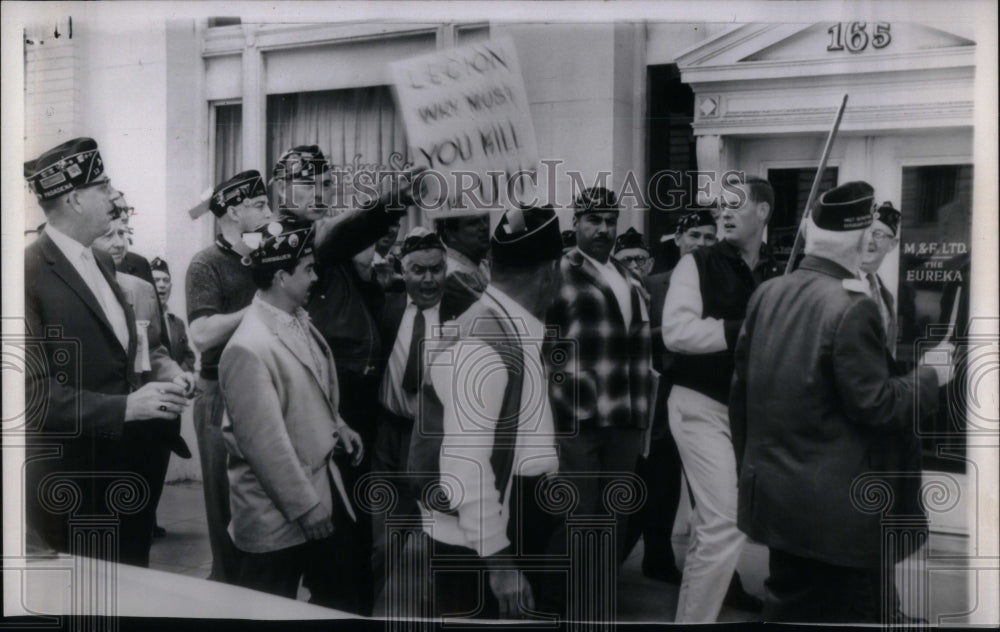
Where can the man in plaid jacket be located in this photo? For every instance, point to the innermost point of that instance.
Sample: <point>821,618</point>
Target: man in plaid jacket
<point>601,389</point>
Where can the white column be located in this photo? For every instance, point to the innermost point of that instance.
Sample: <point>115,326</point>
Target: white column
<point>254,103</point>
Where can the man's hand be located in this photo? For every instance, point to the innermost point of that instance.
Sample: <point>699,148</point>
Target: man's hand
<point>513,592</point>
<point>156,400</point>
<point>186,381</point>
<point>352,443</point>
<point>399,195</point>
<point>942,359</point>
<point>317,523</point>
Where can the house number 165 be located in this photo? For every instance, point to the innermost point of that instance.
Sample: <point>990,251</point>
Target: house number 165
<point>855,38</point>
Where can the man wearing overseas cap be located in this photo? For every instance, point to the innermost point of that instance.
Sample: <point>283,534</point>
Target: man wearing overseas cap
<point>407,319</point>
<point>176,333</point>
<point>702,313</point>
<point>344,303</point>
<point>292,516</point>
<point>816,413</point>
<point>486,425</point>
<point>602,322</point>
<point>91,429</point>
<point>219,290</point>
<point>884,239</point>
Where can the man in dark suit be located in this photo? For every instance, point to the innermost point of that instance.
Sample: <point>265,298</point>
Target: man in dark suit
<point>884,239</point>
<point>816,414</point>
<point>176,334</point>
<point>602,322</point>
<point>95,421</point>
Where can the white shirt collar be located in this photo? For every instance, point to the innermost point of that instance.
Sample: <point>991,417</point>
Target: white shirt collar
<point>606,264</point>
<point>300,315</point>
<point>70,247</point>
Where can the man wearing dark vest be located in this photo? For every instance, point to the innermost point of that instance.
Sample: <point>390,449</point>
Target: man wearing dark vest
<point>820,420</point>
<point>702,315</point>
<point>488,432</point>
<point>219,291</point>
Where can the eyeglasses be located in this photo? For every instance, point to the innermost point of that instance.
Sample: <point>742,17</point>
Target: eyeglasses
<point>636,261</point>
<point>881,235</point>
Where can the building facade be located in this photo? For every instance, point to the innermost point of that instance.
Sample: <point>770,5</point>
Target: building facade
<point>180,104</point>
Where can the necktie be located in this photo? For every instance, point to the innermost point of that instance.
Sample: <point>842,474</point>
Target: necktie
<point>414,364</point>
<point>106,298</point>
<point>877,297</point>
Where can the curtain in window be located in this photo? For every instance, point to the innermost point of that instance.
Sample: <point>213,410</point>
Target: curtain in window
<point>228,141</point>
<point>358,129</point>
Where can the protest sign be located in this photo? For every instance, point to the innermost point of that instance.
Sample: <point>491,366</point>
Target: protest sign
<point>467,120</point>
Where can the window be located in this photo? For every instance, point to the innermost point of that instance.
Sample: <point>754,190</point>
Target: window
<point>791,193</point>
<point>934,259</point>
<point>228,141</point>
<point>358,130</point>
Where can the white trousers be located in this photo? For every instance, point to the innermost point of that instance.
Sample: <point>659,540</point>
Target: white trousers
<point>700,426</point>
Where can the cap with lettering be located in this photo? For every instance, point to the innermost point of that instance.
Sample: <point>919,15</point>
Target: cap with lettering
<point>889,215</point>
<point>242,186</point>
<point>301,164</point>
<point>846,207</point>
<point>74,164</point>
<point>631,238</point>
<point>280,242</point>
<point>595,200</point>
<point>694,220</point>
<point>419,238</point>
<point>159,265</point>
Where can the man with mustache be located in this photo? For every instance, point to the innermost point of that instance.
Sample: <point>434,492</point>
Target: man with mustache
<point>602,323</point>
<point>291,514</point>
<point>702,314</point>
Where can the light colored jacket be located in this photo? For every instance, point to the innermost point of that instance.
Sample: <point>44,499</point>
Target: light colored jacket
<point>281,427</point>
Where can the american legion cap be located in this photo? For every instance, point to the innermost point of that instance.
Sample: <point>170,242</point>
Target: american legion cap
<point>72,165</point>
<point>846,207</point>
<point>527,236</point>
<point>631,238</point>
<point>301,163</point>
<point>279,242</point>
<point>889,215</point>
<point>419,238</point>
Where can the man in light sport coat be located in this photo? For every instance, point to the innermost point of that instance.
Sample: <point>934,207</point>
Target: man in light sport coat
<point>291,515</point>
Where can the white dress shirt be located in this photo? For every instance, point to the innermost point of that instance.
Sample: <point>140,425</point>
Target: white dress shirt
<point>391,392</point>
<point>82,260</point>
<point>619,285</point>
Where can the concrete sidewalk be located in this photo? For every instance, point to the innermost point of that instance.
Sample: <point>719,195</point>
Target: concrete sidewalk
<point>185,550</point>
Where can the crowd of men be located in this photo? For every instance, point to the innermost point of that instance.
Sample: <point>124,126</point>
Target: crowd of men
<point>494,389</point>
